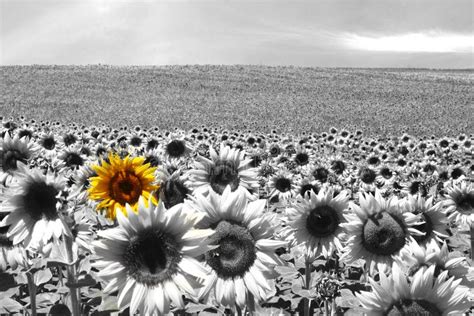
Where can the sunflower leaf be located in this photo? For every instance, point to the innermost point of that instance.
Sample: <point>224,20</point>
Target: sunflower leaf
<point>42,276</point>
<point>9,306</point>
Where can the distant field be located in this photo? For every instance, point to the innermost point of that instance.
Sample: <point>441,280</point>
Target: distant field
<point>257,98</point>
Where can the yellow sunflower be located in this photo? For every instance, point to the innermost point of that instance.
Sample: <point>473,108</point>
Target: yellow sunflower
<point>120,182</point>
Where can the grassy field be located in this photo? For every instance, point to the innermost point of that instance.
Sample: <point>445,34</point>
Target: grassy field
<point>258,98</point>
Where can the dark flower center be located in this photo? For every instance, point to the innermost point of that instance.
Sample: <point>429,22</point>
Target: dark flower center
<point>100,151</point>
<point>414,187</point>
<point>152,144</point>
<point>367,175</point>
<point>174,192</point>
<point>125,187</point>
<point>321,174</point>
<point>49,143</point>
<point>373,160</point>
<point>40,201</point>
<point>322,221</point>
<point>10,159</point>
<point>386,173</point>
<point>444,143</point>
<point>426,228</point>
<point>274,150</point>
<point>176,148</point>
<point>306,188</point>
<point>456,173</point>
<point>153,160</point>
<point>413,308</point>
<point>135,141</point>
<point>69,139</point>
<point>224,173</point>
<point>25,133</point>
<point>236,252</point>
<point>465,202</point>
<point>302,159</point>
<point>383,234</point>
<point>338,166</point>
<point>283,184</point>
<point>73,159</point>
<point>152,257</point>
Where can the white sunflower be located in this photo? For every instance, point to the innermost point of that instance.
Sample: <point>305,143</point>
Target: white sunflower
<point>228,168</point>
<point>242,264</point>
<point>34,205</point>
<point>459,204</point>
<point>434,228</point>
<point>13,151</point>
<point>424,295</point>
<point>282,185</point>
<point>149,257</point>
<point>416,257</point>
<point>177,147</point>
<point>377,230</point>
<point>10,255</point>
<point>316,222</point>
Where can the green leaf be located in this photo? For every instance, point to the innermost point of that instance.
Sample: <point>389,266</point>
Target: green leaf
<point>287,271</point>
<point>42,276</point>
<point>9,306</point>
<point>195,308</point>
<point>347,299</point>
<point>47,299</point>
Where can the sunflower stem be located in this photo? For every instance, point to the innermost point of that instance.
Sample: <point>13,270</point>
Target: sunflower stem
<point>472,243</point>
<point>336,271</point>
<point>307,305</point>
<point>326,308</point>
<point>71,278</point>
<point>32,292</point>
<point>333,306</point>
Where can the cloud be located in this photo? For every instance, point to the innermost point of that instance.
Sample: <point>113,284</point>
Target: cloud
<point>421,42</point>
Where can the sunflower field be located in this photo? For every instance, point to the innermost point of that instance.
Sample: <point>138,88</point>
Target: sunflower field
<point>208,221</point>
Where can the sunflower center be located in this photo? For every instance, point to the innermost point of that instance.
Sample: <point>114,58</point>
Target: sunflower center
<point>40,201</point>
<point>321,174</point>
<point>426,227</point>
<point>367,175</point>
<point>175,148</point>
<point>338,166</point>
<point>386,173</point>
<point>125,187</point>
<point>465,202</point>
<point>236,252</point>
<point>283,184</point>
<point>224,173</point>
<point>73,160</point>
<point>414,307</point>
<point>306,188</point>
<point>174,192</point>
<point>49,143</point>
<point>10,158</point>
<point>302,159</point>
<point>152,257</point>
<point>322,221</point>
<point>383,234</point>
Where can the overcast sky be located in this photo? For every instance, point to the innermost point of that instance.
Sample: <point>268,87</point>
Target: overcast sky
<point>352,33</point>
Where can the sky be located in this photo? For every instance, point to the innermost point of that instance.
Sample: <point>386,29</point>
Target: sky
<point>321,33</point>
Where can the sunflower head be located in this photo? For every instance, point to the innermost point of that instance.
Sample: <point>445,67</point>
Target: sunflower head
<point>121,181</point>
